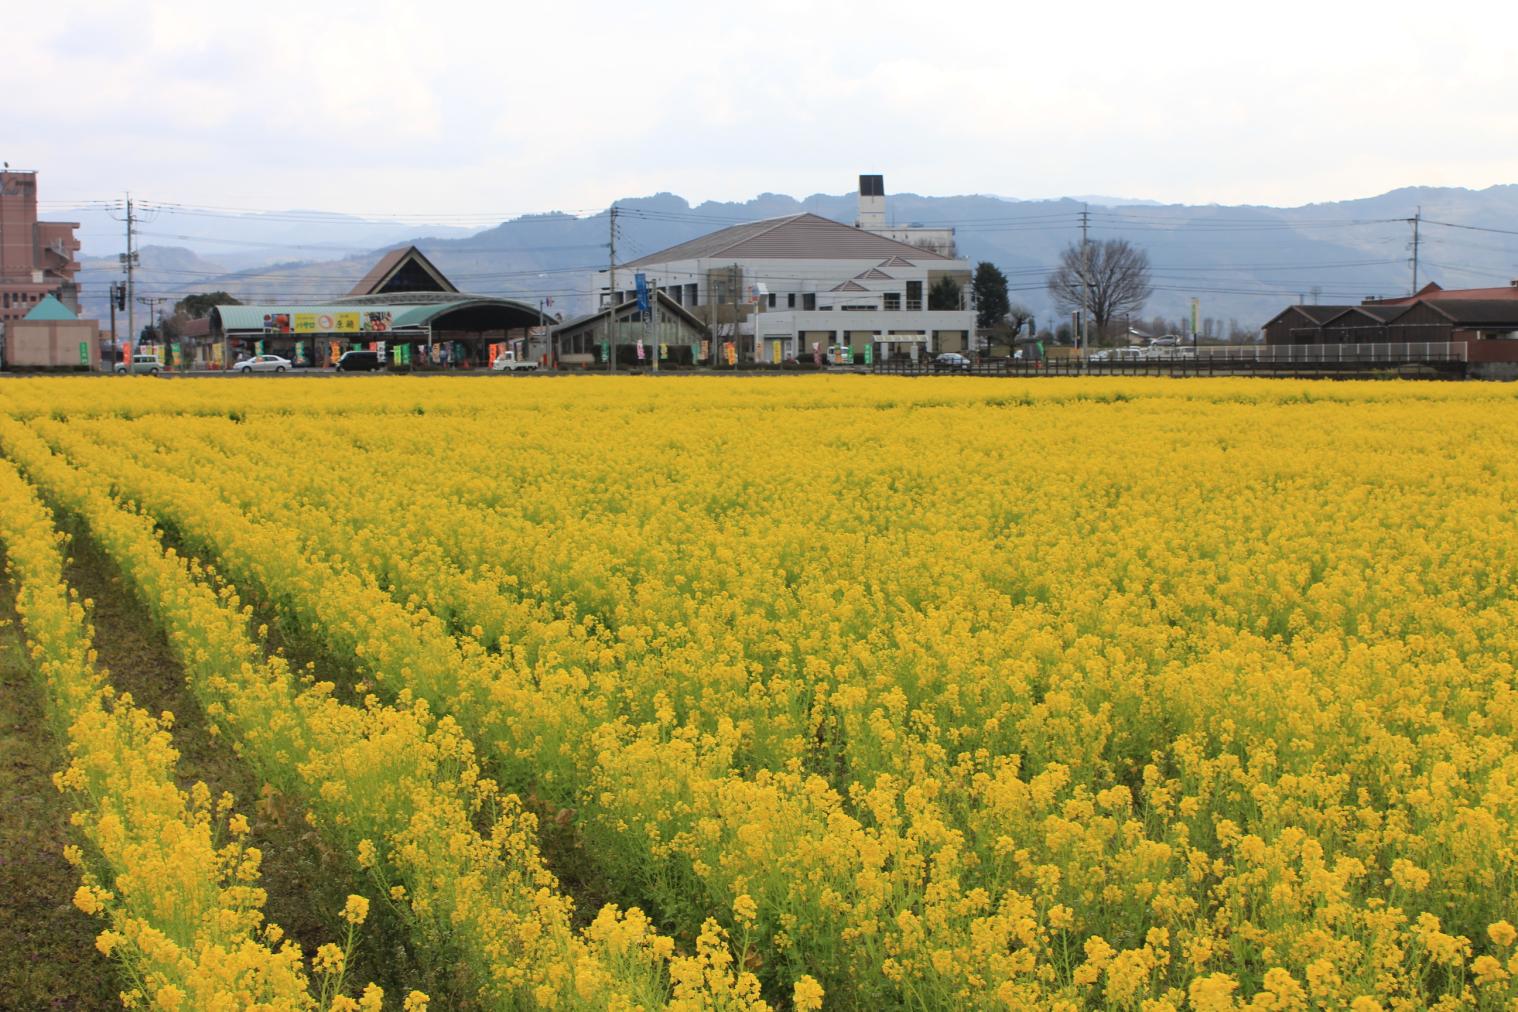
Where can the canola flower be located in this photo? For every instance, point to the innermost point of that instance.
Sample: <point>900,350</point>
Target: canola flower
<point>389,774</point>
<point>167,870</point>
<point>930,694</point>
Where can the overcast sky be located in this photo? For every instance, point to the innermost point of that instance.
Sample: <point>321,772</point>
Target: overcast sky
<point>490,109</point>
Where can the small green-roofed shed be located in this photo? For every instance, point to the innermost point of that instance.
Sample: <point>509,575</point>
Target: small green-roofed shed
<point>50,309</point>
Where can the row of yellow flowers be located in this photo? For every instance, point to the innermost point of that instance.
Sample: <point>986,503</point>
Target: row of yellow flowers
<point>640,844</point>
<point>946,693</point>
<point>169,871</point>
<point>399,789</point>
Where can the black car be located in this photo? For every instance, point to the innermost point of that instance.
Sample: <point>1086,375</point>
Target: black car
<point>951,361</point>
<point>360,361</point>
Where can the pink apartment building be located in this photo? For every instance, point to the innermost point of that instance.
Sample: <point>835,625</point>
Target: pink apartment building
<point>36,257</point>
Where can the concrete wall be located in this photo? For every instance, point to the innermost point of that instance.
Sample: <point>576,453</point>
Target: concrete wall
<point>880,326</point>
<point>51,344</point>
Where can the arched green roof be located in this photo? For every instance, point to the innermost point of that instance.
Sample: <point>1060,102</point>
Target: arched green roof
<point>403,316</point>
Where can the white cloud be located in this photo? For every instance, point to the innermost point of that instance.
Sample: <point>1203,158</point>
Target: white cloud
<point>452,107</point>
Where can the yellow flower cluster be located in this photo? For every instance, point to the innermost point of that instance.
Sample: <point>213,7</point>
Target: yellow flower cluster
<point>1127,694</point>
<point>184,912</point>
<point>377,772</point>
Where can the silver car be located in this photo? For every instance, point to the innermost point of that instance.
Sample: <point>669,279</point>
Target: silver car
<point>263,363</point>
<point>140,364</point>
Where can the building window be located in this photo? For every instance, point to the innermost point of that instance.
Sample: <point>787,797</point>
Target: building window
<point>809,300</point>
<point>690,295</point>
<point>914,296</point>
<point>772,300</point>
<point>858,309</point>
<point>790,300</point>
<point>893,302</point>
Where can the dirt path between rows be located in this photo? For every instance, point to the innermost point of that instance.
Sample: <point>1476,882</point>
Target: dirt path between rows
<point>48,958</point>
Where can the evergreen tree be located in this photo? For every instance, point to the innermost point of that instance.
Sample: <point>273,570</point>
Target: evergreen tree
<point>944,294</point>
<point>991,302</point>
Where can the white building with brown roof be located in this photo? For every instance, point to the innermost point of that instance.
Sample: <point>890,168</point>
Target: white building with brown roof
<point>786,287</point>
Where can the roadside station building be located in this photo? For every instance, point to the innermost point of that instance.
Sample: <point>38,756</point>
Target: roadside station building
<point>670,332</point>
<point>404,307</point>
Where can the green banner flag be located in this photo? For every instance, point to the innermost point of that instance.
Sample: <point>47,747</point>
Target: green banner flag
<point>84,353</point>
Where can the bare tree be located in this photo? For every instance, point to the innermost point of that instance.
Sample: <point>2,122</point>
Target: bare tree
<point>1018,314</point>
<point>1106,279</point>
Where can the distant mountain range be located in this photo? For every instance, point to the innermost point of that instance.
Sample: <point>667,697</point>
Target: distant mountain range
<point>1243,262</point>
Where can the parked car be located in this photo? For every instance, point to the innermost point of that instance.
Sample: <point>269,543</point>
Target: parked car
<point>506,363</point>
<point>141,363</point>
<point>263,363</point>
<point>951,361</point>
<point>360,361</point>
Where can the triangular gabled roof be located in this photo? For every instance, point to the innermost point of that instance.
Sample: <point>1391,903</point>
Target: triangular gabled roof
<point>1315,314</point>
<point>1475,311</point>
<point>874,274</point>
<point>50,309</point>
<point>402,270</point>
<point>793,237</point>
<point>1363,314</point>
<point>898,262</point>
<point>1321,314</point>
<point>630,305</point>
<point>849,286</point>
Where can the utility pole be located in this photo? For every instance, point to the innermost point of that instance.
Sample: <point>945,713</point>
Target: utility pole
<point>648,321</point>
<point>4,269</point>
<point>153,302</point>
<point>1417,220</point>
<point>118,295</point>
<point>129,264</point>
<point>543,326</point>
<point>737,280</point>
<point>1085,336</point>
<point>611,311</point>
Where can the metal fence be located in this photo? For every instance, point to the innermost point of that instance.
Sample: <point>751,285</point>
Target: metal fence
<point>1384,352</point>
<point>1443,358</point>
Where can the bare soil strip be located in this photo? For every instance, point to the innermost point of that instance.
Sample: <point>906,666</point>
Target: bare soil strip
<point>307,883</point>
<point>48,958</point>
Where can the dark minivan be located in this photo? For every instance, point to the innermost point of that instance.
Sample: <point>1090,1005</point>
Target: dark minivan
<point>360,361</point>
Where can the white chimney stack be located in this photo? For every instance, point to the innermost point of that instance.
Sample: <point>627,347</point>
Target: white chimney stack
<point>872,214</point>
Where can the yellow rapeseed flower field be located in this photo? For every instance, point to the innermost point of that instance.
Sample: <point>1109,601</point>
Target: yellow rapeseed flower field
<point>844,692</point>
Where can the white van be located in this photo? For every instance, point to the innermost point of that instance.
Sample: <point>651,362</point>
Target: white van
<point>141,363</point>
